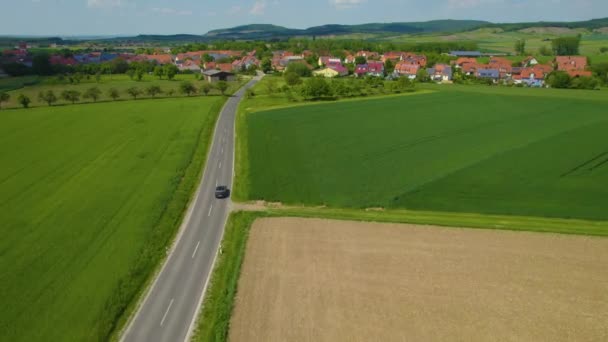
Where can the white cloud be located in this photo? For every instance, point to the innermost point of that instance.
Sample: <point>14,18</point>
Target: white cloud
<point>171,11</point>
<point>234,10</point>
<point>345,4</point>
<point>258,8</point>
<point>105,3</point>
<point>471,3</point>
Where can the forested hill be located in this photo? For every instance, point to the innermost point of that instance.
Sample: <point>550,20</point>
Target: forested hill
<point>265,31</point>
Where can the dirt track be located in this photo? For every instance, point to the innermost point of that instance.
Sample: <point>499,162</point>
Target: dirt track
<point>322,280</point>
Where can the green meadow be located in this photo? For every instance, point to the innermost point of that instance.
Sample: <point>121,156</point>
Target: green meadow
<point>490,150</point>
<point>90,195</point>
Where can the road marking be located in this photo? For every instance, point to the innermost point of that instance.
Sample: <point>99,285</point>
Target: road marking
<point>211,207</point>
<point>166,312</point>
<point>195,249</point>
<point>216,183</point>
<point>220,165</point>
<point>222,151</point>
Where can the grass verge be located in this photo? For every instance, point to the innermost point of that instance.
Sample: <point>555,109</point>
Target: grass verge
<point>450,219</point>
<point>121,305</point>
<point>214,319</point>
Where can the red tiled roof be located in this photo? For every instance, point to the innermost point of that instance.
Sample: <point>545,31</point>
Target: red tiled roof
<point>579,73</point>
<point>567,63</point>
<point>160,59</point>
<point>407,68</point>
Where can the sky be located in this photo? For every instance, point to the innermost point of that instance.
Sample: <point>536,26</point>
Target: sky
<point>130,17</point>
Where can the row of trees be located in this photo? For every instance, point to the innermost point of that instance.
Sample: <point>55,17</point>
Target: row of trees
<point>49,97</point>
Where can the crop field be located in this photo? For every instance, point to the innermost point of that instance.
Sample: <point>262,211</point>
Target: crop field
<point>489,150</point>
<point>89,197</point>
<point>323,280</point>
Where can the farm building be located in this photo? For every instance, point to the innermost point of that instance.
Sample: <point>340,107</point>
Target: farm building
<point>213,76</point>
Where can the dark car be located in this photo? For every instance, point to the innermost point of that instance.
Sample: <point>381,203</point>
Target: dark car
<point>222,191</point>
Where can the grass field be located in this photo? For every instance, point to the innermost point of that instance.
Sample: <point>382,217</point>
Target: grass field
<point>323,280</point>
<point>529,152</point>
<point>89,198</point>
<point>32,86</point>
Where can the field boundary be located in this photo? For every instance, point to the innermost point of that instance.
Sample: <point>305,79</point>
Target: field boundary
<point>189,181</point>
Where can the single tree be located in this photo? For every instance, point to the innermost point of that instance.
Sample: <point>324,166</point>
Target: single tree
<point>48,97</point>
<point>291,78</point>
<point>77,77</point>
<point>205,88</point>
<point>559,79</point>
<point>131,73</point>
<point>71,95</point>
<point>360,60</point>
<point>134,92</point>
<point>153,90</point>
<point>422,75</point>
<point>170,92</point>
<point>520,47</point>
<point>266,65</point>
<point>389,67</point>
<point>113,93</point>
<point>222,86</point>
<point>98,76</point>
<point>92,93</point>
<point>24,100</point>
<point>299,68</point>
<point>4,97</point>
<point>271,84</point>
<point>187,88</point>
<point>170,71</point>
<point>159,71</point>
<point>139,74</point>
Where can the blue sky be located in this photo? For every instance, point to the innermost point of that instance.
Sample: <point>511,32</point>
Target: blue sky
<point>113,17</point>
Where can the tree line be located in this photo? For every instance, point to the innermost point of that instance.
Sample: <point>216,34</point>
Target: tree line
<point>72,96</point>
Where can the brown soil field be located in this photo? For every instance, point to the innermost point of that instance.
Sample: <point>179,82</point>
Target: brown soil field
<point>324,280</point>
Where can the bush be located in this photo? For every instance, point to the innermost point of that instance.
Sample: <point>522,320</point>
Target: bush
<point>315,88</point>
<point>292,78</point>
<point>299,68</point>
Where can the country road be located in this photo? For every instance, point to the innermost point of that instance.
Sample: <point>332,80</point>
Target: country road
<point>168,311</point>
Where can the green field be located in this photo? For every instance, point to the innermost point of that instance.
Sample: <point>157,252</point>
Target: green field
<point>89,198</point>
<point>530,152</point>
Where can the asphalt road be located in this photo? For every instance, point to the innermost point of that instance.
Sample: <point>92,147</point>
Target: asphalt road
<point>169,309</point>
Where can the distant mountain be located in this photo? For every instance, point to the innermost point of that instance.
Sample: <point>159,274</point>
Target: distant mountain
<point>265,31</point>
<point>588,24</point>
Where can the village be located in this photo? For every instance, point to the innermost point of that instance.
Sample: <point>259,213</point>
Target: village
<point>217,65</point>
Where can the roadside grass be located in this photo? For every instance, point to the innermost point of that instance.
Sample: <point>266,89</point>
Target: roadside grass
<point>214,320</point>
<point>92,203</point>
<point>490,150</point>
<point>32,88</point>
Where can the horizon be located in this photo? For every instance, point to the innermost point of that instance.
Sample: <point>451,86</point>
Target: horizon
<point>115,18</point>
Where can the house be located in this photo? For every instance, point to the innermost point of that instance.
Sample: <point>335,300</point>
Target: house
<point>579,73</point>
<point>474,54</point>
<point>332,71</point>
<point>327,60</point>
<point>406,69</point>
<point>60,60</point>
<point>326,72</point>
<point>393,56</point>
<point>189,65</point>
<point>440,73</point>
<point>368,55</point>
<point>414,59</point>
<point>370,69</point>
<point>213,76</point>
<point>503,65</point>
<point>567,63</point>
<point>493,74</point>
<point>532,77</point>
<point>160,59</point>
<point>529,62</point>
<point>464,60</point>
<point>349,59</point>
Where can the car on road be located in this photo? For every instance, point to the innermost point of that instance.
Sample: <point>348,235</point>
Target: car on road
<point>222,191</point>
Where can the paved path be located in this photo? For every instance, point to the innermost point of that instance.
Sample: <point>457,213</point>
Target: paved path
<point>169,309</point>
